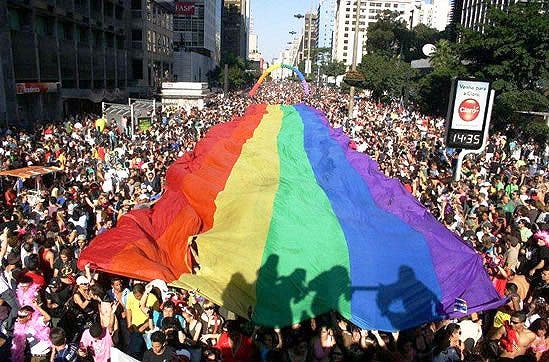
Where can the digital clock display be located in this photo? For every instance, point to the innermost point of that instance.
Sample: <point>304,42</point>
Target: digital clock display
<point>464,139</point>
<point>467,114</point>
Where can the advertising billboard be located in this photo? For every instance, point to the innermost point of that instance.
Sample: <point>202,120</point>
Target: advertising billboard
<point>184,8</point>
<point>467,112</point>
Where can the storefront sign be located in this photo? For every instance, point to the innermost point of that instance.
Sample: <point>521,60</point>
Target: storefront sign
<point>184,8</point>
<point>26,88</point>
<point>144,123</point>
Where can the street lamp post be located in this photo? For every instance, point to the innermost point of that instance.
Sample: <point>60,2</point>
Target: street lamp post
<point>353,64</point>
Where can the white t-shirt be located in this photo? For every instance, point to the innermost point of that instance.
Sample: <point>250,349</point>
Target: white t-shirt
<point>37,347</point>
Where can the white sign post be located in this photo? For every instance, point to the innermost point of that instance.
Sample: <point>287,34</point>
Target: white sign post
<point>468,118</point>
<point>465,152</point>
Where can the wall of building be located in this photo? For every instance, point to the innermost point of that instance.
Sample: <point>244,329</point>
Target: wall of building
<point>235,27</point>
<point>58,54</point>
<point>326,23</point>
<point>151,56</point>
<point>190,66</point>
<point>197,40</point>
<point>473,12</point>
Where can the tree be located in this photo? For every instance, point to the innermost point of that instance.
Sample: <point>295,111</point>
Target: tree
<point>388,36</point>
<point>421,35</point>
<point>334,68</point>
<point>433,89</point>
<point>240,72</point>
<point>387,78</point>
<point>508,105</point>
<point>512,50</point>
<point>445,57</point>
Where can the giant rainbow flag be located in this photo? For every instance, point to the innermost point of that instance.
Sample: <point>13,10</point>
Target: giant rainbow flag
<point>290,223</point>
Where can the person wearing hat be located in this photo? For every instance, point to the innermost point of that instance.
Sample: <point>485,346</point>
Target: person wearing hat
<point>32,330</point>
<point>85,307</point>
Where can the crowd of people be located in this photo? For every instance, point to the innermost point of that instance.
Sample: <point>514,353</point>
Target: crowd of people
<point>52,311</point>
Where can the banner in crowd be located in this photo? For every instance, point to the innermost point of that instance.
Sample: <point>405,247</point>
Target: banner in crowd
<point>119,356</point>
<point>144,123</point>
<point>287,222</point>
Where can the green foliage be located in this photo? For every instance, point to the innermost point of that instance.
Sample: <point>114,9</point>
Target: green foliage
<point>333,69</point>
<point>420,36</point>
<point>536,130</point>
<point>508,104</point>
<point>386,78</point>
<point>241,73</point>
<point>513,48</point>
<point>433,89</point>
<point>446,58</point>
<point>388,36</point>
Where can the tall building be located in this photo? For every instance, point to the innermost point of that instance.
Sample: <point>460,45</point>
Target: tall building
<point>235,27</point>
<point>66,56</point>
<point>62,55</point>
<point>413,12</point>
<point>309,40</point>
<point>472,13</point>
<point>435,14</point>
<point>326,23</point>
<point>197,39</point>
<point>151,57</point>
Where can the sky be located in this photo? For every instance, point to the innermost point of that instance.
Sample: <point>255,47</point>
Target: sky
<point>273,19</point>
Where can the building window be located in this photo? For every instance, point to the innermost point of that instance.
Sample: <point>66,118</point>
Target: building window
<point>344,54</point>
<point>137,68</point>
<point>137,35</point>
<point>136,5</point>
<point>65,31</point>
<point>83,37</point>
<point>14,19</point>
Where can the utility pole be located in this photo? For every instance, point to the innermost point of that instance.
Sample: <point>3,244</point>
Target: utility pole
<point>226,79</point>
<point>353,66</point>
<point>309,41</point>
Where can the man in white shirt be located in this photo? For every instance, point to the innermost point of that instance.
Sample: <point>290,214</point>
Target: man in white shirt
<point>7,294</point>
<point>471,331</point>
